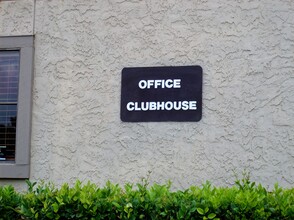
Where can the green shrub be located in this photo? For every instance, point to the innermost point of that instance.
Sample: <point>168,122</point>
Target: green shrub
<point>245,200</point>
<point>9,201</point>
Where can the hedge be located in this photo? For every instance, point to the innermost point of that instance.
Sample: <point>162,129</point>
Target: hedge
<point>244,200</point>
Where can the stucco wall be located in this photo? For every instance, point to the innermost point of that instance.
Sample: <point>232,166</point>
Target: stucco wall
<point>245,49</point>
<point>16,17</point>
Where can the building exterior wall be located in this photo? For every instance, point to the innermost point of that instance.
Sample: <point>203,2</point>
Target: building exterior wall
<point>244,47</point>
<point>16,17</point>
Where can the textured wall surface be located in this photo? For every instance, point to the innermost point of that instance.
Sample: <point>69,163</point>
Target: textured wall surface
<point>16,17</point>
<point>245,49</point>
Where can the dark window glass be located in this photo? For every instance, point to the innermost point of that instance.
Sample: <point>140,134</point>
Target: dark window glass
<point>9,73</point>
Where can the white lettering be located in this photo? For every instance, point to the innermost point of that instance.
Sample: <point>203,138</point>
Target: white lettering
<point>150,83</point>
<point>137,107</point>
<point>157,83</point>
<point>177,83</point>
<point>152,106</point>
<point>185,105</point>
<point>130,106</point>
<point>192,105</point>
<point>145,106</point>
<point>142,84</point>
<point>160,106</point>
<point>168,106</point>
<point>160,83</point>
<point>169,83</point>
<point>177,107</point>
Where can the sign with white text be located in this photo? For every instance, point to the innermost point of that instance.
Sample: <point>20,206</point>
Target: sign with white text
<point>155,94</point>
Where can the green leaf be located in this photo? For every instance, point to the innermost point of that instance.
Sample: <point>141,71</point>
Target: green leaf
<point>116,205</point>
<point>211,215</point>
<point>55,207</point>
<point>206,210</point>
<point>59,200</point>
<point>200,211</point>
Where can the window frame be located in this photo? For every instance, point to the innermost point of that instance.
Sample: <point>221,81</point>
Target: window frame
<point>20,168</point>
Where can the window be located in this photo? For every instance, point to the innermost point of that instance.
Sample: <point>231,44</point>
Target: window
<point>16,72</point>
<point>9,73</point>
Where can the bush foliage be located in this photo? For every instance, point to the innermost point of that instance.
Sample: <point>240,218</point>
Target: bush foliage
<point>245,200</point>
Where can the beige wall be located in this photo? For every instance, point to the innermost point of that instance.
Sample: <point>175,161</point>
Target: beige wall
<point>244,47</point>
<point>16,17</point>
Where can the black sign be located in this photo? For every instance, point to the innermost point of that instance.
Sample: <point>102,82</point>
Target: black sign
<point>161,94</point>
